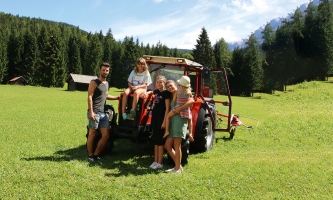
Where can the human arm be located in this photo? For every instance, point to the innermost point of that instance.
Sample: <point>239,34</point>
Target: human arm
<point>91,89</point>
<point>110,97</point>
<point>146,94</point>
<point>143,83</point>
<point>167,110</point>
<point>143,86</point>
<point>185,106</point>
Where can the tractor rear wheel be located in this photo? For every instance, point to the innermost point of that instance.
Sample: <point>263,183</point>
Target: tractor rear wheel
<point>204,134</point>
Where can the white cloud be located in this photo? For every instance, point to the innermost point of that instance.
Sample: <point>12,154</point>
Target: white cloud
<point>258,6</point>
<point>233,20</point>
<point>227,34</point>
<point>188,40</point>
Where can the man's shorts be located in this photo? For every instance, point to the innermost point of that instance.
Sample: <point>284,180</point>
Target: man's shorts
<point>102,121</point>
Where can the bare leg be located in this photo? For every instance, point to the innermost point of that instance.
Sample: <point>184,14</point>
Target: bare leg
<point>167,123</point>
<point>102,142</point>
<point>124,101</point>
<point>190,130</point>
<point>168,146</point>
<point>160,152</point>
<point>136,96</point>
<point>155,153</point>
<point>178,152</point>
<point>90,141</point>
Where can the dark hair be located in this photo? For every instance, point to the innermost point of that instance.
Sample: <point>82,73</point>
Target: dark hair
<point>105,64</point>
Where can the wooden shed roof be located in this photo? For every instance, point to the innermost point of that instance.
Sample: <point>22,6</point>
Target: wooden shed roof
<point>16,78</point>
<point>79,78</point>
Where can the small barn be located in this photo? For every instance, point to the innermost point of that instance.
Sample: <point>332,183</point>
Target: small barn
<point>79,82</point>
<point>19,80</point>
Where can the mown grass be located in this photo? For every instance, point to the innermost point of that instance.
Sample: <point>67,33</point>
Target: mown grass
<point>288,156</point>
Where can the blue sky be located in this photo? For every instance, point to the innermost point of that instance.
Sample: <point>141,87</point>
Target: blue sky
<point>175,23</point>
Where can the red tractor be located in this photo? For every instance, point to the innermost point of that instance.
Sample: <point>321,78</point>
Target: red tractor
<point>204,111</point>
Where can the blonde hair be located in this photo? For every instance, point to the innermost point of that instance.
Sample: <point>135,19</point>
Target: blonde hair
<point>163,79</point>
<point>141,61</point>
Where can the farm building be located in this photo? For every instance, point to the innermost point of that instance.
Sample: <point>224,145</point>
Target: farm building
<point>19,80</point>
<point>79,82</point>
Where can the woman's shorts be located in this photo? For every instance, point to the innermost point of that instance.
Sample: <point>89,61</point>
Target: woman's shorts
<point>178,127</point>
<point>102,121</point>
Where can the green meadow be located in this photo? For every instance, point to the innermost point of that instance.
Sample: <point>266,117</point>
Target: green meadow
<point>288,156</point>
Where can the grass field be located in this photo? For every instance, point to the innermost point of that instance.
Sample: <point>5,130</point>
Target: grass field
<point>288,156</point>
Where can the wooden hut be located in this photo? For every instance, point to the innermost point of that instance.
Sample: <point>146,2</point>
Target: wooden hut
<point>79,82</point>
<point>19,80</point>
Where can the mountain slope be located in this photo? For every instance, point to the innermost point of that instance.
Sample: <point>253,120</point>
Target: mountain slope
<point>275,23</point>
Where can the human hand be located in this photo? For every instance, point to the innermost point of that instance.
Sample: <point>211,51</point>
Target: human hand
<point>144,95</point>
<point>92,116</point>
<point>163,125</point>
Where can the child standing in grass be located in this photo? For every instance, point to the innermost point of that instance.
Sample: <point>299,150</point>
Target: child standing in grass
<point>138,81</point>
<point>160,110</point>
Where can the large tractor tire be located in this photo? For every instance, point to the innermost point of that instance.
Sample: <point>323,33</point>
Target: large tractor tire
<point>204,134</point>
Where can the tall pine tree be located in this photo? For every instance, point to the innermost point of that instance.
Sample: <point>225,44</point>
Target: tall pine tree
<point>223,58</point>
<point>203,54</point>
<point>30,57</point>
<point>325,37</point>
<point>74,57</point>
<point>253,69</point>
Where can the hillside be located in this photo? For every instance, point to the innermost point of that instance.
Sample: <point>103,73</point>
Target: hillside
<point>275,23</point>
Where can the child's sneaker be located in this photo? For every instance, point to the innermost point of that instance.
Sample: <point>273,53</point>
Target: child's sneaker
<point>91,159</point>
<point>157,166</point>
<point>170,170</point>
<point>179,171</point>
<point>124,116</point>
<point>153,164</point>
<point>133,113</point>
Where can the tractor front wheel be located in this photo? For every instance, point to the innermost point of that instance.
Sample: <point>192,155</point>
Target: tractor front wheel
<point>204,134</point>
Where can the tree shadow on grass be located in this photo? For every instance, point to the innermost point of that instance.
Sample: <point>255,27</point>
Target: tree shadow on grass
<point>127,158</point>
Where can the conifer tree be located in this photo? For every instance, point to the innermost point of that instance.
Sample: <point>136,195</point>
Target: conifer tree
<point>285,55</point>
<point>52,63</point>
<point>107,47</point>
<point>203,54</point>
<point>223,59</point>
<point>119,68</point>
<point>325,37</point>
<point>311,49</point>
<point>3,59</point>
<point>74,58</point>
<point>235,79</point>
<point>30,57</point>
<point>84,51</point>
<point>15,50</point>
<point>268,64</point>
<point>95,54</point>
<point>147,50</point>
<point>252,72</point>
